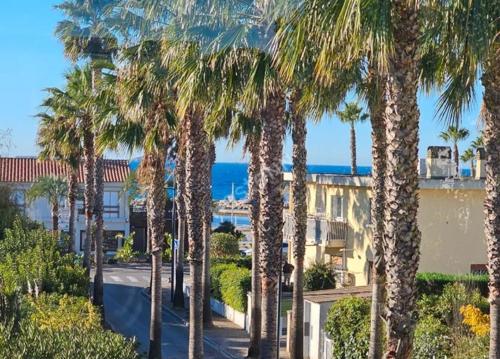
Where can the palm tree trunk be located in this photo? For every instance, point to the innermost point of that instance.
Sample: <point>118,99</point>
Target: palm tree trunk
<point>354,166</point>
<point>72,189</point>
<point>253,196</point>
<point>491,83</point>
<point>180,175</point>
<point>99,233</point>
<point>299,198</point>
<point>55,217</point>
<point>88,169</point>
<point>456,158</point>
<point>402,236</point>
<point>271,220</point>
<point>207,232</point>
<point>194,210</point>
<point>377,108</point>
<point>156,204</point>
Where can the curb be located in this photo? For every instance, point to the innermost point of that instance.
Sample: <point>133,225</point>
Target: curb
<point>206,339</point>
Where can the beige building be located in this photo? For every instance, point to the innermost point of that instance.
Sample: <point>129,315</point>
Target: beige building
<point>450,217</point>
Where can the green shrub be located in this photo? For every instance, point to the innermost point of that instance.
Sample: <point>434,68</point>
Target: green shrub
<point>234,286</point>
<point>348,325</point>
<point>432,339</point>
<point>470,347</point>
<point>33,342</point>
<point>240,261</point>
<point>319,276</point>
<point>223,245</point>
<point>126,253</point>
<point>434,283</point>
<point>60,312</point>
<point>215,273</point>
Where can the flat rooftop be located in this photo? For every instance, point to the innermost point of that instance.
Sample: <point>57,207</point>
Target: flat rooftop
<point>366,181</point>
<point>332,295</point>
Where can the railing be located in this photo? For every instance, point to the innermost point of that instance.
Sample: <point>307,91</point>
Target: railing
<point>320,231</point>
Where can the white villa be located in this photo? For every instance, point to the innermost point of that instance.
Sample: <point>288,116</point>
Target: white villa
<point>20,173</point>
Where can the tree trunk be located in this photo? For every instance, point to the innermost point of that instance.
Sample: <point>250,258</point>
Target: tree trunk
<point>156,204</point>
<point>491,83</point>
<point>354,166</point>
<point>379,143</point>
<point>194,210</point>
<point>402,236</point>
<point>180,175</point>
<point>207,232</point>
<point>271,220</point>
<point>55,217</point>
<point>72,191</point>
<point>299,198</point>
<point>88,169</point>
<point>253,195</point>
<point>456,158</point>
<point>99,233</point>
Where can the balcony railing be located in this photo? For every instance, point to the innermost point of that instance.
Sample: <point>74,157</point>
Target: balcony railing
<point>320,231</point>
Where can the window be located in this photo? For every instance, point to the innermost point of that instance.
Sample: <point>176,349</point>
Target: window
<point>337,203</point>
<point>320,199</point>
<point>370,206</point>
<point>111,205</point>
<point>80,207</point>
<point>478,269</point>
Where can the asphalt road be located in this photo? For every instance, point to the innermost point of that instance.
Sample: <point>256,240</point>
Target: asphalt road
<point>127,310</point>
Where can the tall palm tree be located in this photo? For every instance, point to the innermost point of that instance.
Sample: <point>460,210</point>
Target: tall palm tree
<point>54,189</point>
<point>74,103</point>
<point>207,231</point>
<point>145,97</point>
<point>352,114</point>
<point>454,135</point>
<point>465,36</point>
<point>469,156</point>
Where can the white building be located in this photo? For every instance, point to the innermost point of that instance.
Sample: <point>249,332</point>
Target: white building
<point>21,172</point>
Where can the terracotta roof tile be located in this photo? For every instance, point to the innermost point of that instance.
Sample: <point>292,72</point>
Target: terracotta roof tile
<point>28,169</point>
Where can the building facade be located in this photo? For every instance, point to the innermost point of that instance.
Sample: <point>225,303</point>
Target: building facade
<point>450,217</point>
<point>20,174</point>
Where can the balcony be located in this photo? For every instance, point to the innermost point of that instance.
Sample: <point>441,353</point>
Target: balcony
<point>320,231</point>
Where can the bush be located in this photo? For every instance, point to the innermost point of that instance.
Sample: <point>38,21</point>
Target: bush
<point>434,283</point>
<point>240,261</point>
<point>319,276</point>
<point>348,325</point>
<point>126,253</point>
<point>234,286</point>
<point>478,322</point>
<point>33,342</point>
<point>431,340</point>
<point>60,312</point>
<point>470,347</point>
<point>215,274</point>
<point>223,245</point>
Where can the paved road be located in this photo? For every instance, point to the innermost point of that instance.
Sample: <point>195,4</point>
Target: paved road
<point>128,311</point>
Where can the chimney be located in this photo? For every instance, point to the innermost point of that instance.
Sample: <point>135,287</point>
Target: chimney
<point>439,163</point>
<point>480,163</point>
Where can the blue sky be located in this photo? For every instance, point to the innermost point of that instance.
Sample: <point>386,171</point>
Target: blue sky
<point>32,59</point>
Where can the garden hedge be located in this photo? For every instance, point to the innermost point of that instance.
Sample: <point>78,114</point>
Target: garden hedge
<point>434,283</point>
<point>215,274</point>
<point>234,286</point>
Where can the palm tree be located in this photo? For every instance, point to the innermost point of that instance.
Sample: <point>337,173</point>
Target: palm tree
<point>74,103</point>
<point>352,114</point>
<point>454,135</point>
<point>465,36</point>
<point>54,189</point>
<point>469,156</point>
<point>145,97</point>
<point>60,141</point>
